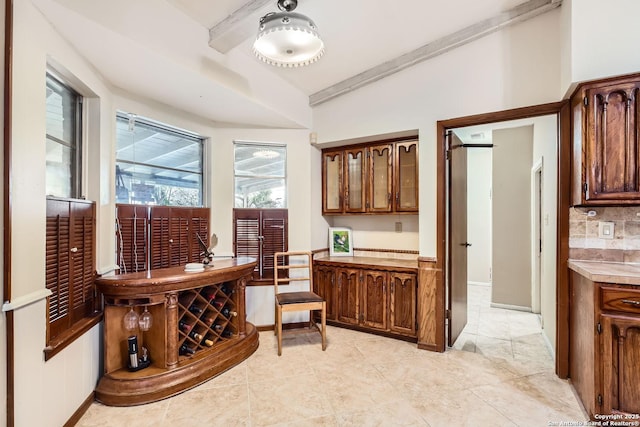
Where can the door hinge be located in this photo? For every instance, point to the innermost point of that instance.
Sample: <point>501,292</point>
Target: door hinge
<point>586,101</point>
<point>599,400</point>
<point>448,314</point>
<point>599,327</point>
<point>585,188</point>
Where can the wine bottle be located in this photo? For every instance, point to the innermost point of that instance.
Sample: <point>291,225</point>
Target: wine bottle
<point>208,293</point>
<point>196,336</point>
<point>208,319</point>
<point>195,309</point>
<point>184,326</point>
<point>186,350</point>
<point>226,333</point>
<point>227,289</point>
<point>228,313</point>
<point>217,327</point>
<point>207,342</point>
<point>218,303</point>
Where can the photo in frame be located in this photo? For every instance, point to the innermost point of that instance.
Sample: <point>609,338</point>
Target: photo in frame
<point>340,241</point>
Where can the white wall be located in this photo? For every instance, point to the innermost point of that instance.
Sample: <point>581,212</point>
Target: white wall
<point>603,40</point>
<point>545,148</point>
<point>479,215</point>
<point>72,374</point>
<point>518,66</point>
<point>378,231</point>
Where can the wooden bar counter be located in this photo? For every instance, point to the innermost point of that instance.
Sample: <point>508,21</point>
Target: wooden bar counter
<point>198,330</point>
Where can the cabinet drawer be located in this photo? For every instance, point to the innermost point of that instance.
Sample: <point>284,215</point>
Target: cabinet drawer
<point>617,299</point>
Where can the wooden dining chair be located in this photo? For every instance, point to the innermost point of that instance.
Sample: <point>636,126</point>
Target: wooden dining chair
<point>285,270</point>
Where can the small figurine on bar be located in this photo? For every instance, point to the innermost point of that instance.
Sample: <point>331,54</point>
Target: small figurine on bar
<point>207,253</point>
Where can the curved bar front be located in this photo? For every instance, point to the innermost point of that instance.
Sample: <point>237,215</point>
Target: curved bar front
<point>198,330</point>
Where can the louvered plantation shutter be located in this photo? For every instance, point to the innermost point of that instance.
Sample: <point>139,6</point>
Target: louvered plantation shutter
<point>259,233</point>
<point>70,263</point>
<point>132,229</point>
<point>199,227</point>
<point>274,232</point>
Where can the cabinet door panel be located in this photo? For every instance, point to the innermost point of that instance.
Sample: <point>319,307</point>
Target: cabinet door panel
<point>380,178</point>
<point>324,284</point>
<point>403,303</point>
<point>355,163</point>
<point>348,295</point>
<point>374,299</point>
<point>612,142</point>
<point>332,182</point>
<point>406,176</point>
<point>621,364</point>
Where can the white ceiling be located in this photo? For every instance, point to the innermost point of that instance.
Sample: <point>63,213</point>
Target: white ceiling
<point>158,49</point>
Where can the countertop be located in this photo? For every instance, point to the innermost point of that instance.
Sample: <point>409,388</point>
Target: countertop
<point>607,272</point>
<point>370,261</point>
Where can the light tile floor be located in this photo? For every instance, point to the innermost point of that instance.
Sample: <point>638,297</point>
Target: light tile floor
<point>367,380</point>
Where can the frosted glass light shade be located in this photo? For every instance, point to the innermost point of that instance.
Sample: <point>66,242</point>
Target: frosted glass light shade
<point>288,39</point>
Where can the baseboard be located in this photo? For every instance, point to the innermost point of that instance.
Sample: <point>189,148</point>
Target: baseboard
<point>511,307</point>
<point>75,418</point>
<point>479,283</point>
<point>549,346</point>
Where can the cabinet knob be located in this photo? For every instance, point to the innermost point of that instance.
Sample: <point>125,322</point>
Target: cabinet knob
<point>170,240</point>
<point>74,250</point>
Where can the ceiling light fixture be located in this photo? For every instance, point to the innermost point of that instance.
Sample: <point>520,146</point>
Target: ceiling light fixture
<point>288,39</point>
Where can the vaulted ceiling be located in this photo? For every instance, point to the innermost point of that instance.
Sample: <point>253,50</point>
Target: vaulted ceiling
<point>160,49</point>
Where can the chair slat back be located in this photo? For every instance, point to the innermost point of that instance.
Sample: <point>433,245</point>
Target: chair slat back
<point>301,259</point>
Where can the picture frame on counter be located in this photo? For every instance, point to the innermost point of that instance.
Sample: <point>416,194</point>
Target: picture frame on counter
<point>340,241</point>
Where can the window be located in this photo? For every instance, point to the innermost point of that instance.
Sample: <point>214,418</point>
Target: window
<point>260,178</point>
<point>157,164</point>
<point>64,140</point>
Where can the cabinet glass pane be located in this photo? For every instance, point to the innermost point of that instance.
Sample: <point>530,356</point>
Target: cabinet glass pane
<point>333,167</point>
<point>355,165</point>
<point>380,179</point>
<point>407,176</point>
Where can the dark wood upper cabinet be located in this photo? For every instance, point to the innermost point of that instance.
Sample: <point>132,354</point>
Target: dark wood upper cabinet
<point>606,145</point>
<point>372,178</point>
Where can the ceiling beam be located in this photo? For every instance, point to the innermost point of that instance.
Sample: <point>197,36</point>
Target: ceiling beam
<point>522,12</point>
<point>232,30</point>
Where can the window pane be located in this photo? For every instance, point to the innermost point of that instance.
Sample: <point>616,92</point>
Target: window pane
<point>63,140</point>
<point>260,175</point>
<point>59,168</point>
<point>157,165</point>
<point>260,193</point>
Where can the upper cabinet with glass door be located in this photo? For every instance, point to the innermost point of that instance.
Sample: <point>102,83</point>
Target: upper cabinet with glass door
<point>374,178</point>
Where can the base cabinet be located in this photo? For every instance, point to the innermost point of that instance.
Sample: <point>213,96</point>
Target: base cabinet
<point>604,347</point>
<point>368,298</point>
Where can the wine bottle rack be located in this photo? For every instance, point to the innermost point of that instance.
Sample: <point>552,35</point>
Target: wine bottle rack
<point>207,316</point>
<point>203,312</point>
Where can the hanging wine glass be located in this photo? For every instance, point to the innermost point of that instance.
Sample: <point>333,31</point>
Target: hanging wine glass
<point>146,320</point>
<point>131,320</point>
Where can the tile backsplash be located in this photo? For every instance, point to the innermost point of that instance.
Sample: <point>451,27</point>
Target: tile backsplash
<point>584,242</point>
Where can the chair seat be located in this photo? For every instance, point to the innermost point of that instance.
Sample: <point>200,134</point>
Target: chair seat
<point>297,298</point>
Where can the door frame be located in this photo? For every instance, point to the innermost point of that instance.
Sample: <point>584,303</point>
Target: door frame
<point>537,207</point>
<point>562,111</point>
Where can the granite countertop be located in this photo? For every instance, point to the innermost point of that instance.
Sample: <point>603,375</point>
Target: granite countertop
<point>607,272</point>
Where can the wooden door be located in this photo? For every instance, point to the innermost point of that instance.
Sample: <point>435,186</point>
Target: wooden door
<point>402,301</point>
<point>406,176</point>
<point>354,180</point>
<point>332,186</point>
<point>348,295</point>
<point>324,284</point>
<point>374,299</point>
<point>612,142</point>
<point>457,262</point>
<point>380,178</point>
<point>620,364</point>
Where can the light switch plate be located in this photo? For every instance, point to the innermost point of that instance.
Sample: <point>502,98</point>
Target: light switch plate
<point>606,229</point>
